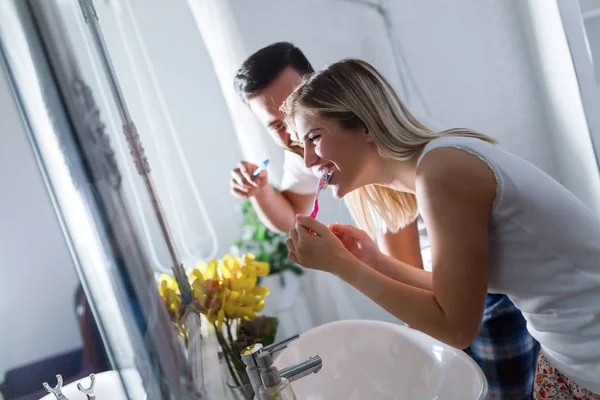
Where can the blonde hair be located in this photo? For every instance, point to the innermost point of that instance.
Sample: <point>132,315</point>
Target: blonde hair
<point>355,94</point>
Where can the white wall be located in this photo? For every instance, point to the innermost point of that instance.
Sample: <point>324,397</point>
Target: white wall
<point>589,5</point>
<point>38,279</point>
<point>565,92</point>
<point>469,58</point>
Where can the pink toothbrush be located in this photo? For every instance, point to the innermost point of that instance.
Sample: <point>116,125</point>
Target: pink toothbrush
<point>323,182</point>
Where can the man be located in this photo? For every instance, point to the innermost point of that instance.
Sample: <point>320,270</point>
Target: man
<point>503,348</point>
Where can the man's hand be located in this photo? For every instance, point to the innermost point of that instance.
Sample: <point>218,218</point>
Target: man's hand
<point>243,184</point>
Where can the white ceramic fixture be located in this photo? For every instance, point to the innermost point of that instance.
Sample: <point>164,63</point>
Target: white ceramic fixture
<point>382,361</point>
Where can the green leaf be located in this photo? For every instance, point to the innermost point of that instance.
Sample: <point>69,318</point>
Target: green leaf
<point>261,233</point>
<point>266,245</point>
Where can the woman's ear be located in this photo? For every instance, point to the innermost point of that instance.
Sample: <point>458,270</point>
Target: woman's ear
<point>368,136</point>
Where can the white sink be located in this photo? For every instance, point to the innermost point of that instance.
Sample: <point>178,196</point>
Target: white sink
<point>380,360</point>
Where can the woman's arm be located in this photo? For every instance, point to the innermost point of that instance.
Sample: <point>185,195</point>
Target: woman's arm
<point>361,246</point>
<point>403,272</point>
<point>455,191</point>
<point>401,256</point>
<point>403,245</point>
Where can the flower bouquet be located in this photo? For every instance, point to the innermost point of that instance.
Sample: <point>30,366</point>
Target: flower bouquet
<point>225,291</point>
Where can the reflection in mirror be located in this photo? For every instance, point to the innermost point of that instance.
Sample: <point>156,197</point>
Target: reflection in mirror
<point>590,13</point>
<point>84,183</point>
<point>204,82</point>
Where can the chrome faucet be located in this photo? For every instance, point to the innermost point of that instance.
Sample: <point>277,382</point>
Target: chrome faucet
<point>300,370</point>
<point>293,373</point>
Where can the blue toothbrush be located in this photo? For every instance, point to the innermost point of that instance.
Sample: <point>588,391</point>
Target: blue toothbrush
<point>261,168</point>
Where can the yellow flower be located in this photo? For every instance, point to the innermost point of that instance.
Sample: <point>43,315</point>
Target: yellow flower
<point>169,292</point>
<point>262,268</point>
<point>242,283</point>
<point>248,259</point>
<point>167,282</point>
<point>222,289</point>
<point>198,290</point>
<point>244,303</point>
<point>204,270</point>
<point>234,311</point>
<point>196,273</point>
<point>229,266</point>
<point>259,306</point>
<point>246,300</point>
<point>260,291</point>
<point>234,296</point>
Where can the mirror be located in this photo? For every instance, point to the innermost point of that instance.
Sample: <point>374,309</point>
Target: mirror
<point>590,12</point>
<point>507,69</point>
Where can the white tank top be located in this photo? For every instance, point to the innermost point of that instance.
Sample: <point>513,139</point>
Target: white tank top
<point>545,255</point>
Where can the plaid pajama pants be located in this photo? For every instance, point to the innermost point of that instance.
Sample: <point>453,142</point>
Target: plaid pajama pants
<point>505,351</point>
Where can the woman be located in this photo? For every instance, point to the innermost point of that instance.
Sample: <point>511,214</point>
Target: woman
<point>496,224</point>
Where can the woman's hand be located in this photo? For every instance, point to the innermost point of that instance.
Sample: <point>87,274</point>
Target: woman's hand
<point>358,243</point>
<point>318,248</point>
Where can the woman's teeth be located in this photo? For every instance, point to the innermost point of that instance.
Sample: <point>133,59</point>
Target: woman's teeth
<point>329,174</point>
<point>326,171</point>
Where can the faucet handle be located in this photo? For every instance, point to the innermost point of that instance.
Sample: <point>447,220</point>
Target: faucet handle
<point>89,392</point>
<point>275,347</point>
<point>57,390</point>
<point>250,354</point>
